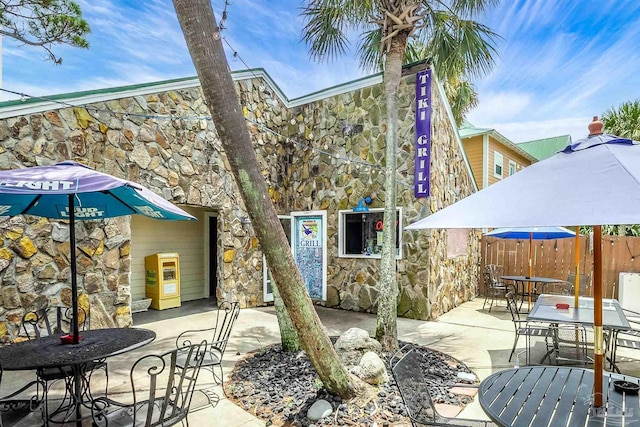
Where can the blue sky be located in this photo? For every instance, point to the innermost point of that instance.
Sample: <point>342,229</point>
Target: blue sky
<point>560,61</point>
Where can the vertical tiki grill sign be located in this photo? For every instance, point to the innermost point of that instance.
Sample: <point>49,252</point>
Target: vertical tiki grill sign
<point>423,134</point>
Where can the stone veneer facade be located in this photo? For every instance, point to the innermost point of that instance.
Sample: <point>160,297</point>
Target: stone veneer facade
<point>182,160</point>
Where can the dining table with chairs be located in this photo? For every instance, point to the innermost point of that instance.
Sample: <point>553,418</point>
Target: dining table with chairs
<point>58,352</point>
<point>528,288</point>
<point>560,313</point>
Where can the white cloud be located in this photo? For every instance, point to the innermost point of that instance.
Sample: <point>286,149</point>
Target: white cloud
<point>524,131</point>
<point>499,106</point>
<point>560,62</point>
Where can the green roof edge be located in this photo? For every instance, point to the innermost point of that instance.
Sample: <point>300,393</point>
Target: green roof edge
<point>63,96</point>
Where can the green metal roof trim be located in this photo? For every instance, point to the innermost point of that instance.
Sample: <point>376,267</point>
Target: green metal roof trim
<point>73,95</point>
<point>238,74</point>
<point>467,130</point>
<point>546,147</point>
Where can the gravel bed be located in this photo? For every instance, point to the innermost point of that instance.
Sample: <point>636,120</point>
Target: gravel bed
<point>279,388</point>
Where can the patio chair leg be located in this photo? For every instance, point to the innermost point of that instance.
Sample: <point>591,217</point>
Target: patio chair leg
<point>513,350</point>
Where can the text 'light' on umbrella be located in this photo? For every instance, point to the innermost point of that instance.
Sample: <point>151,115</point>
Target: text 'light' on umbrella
<point>70,191</point>
<point>594,181</point>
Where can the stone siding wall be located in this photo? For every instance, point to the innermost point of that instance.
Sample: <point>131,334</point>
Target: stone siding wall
<point>181,159</point>
<point>352,125</point>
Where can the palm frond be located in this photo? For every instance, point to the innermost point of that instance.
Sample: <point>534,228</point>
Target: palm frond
<point>327,23</point>
<point>468,8</point>
<point>369,51</point>
<point>460,46</point>
<point>323,32</point>
<point>623,121</point>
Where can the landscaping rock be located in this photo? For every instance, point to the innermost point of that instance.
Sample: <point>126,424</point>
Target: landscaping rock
<point>280,388</point>
<point>371,369</point>
<point>320,409</point>
<point>353,344</point>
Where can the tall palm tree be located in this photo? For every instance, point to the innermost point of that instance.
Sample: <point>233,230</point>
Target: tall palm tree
<point>623,121</point>
<point>454,40</point>
<point>205,46</point>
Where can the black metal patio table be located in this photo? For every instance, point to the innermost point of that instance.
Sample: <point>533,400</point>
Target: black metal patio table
<point>51,352</point>
<point>556,396</point>
<point>527,286</point>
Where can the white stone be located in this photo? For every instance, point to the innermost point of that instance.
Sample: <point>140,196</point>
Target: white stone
<point>320,409</point>
<point>140,156</point>
<point>466,376</point>
<point>354,343</point>
<point>60,232</point>
<point>371,369</point>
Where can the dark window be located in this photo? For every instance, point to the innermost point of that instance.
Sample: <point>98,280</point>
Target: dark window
<point>362,233</point>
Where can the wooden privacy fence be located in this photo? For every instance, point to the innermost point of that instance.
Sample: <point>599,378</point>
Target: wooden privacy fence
<point>555,258</point>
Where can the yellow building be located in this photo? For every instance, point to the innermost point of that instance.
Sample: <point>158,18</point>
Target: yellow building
<point>491,155</point>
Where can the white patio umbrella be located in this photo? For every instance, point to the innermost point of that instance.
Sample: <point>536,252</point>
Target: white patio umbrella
<point>594,181</point>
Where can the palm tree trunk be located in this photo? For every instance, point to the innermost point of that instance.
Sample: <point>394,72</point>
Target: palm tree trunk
<point>205,46</point>
<point>387,314</point>
<point>288,334</point>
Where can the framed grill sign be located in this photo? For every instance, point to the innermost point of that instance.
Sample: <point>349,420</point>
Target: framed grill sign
<point>309,246</point>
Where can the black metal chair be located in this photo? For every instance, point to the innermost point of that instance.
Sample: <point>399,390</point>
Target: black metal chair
<point>584,281</point>
<point>226,316</point>
<point>524,328</point>
<point>162,391</point>
<point>629,338</point>
<point>407,366</point>
<point>567,344</point>
<point>57,320</point>
<point>17,404</point>
<point>494,287</point>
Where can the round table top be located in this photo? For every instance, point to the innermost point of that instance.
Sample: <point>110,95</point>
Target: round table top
<point>49,351</point>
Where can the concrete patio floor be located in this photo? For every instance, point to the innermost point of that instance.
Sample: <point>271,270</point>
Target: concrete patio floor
<point>480,339</point>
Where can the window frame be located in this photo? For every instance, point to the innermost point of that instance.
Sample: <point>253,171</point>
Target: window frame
<point>342,233</point>
<point>515,167</point>
<point>498,155</point>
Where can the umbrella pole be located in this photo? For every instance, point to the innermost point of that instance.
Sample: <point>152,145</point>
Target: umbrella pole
<point>74,281</point>
<point>598,348</point>
<point>530,270</point>
<point>576,281</point>
<point>530,254</point>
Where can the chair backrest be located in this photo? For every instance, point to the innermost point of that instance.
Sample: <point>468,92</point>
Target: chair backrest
<point>36,324</point>
<point>407,367</point>
<point>570,343</point>
<point>219,333</point>
<point>226,316</point>
<point>584,282</point>
<point>512,304</point>
<point>52,320</point>
<point>492,274</point>
<point>162,391</point>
